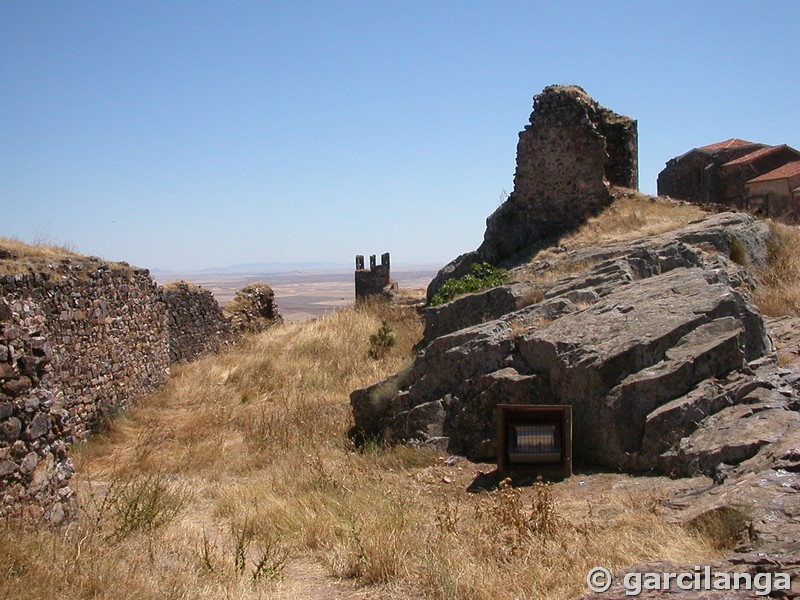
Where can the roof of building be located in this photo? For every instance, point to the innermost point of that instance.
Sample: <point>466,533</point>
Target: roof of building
<point>758,154</point>
<point>731,143</point>
<point>751,156</point>
<point>790,169</point>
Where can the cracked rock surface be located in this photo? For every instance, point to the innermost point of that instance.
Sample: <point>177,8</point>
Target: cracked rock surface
<point>667,364</point>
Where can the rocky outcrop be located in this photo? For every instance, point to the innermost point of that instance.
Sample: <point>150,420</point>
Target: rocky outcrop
<point>667,364</point>
<point>569,155</point>
<point>611,264</point>
<point>626,342</point>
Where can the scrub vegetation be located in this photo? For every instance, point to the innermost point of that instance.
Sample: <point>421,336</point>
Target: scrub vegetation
<point>238,480</point>
<point>779,293</point>
<point>481,276</point>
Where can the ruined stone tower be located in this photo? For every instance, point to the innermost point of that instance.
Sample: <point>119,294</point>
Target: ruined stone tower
<point>376,281</point>
<point>568,156</point>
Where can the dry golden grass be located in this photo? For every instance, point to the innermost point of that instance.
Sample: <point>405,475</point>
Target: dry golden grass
<point>632,216</point>
<point>16,256</point>
<point>22,249</point>
<point>779,293</point>
<point>238,481</point>
<point>19,257</point>
<point>548,277</point>
<point>177,284</point>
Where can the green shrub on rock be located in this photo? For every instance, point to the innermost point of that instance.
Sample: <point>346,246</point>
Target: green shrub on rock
<point>481,276</point>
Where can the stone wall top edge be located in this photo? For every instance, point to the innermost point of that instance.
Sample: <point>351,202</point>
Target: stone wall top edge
<point>573,93</point>
<point>76,267</point>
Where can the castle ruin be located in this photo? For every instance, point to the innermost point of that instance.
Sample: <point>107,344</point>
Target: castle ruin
<point>375,282</point>
<point>568,157</point>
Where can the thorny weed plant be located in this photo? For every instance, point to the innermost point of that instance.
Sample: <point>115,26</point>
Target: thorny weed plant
<point>447,515</point>
<point>259,555</point>
<point>142,504</point>
<point>513,526</point>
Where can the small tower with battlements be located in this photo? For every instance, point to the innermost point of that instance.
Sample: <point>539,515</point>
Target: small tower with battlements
<point>376,281</point>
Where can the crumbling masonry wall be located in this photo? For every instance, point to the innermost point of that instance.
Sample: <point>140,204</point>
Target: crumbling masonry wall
<point>106,324</point>
<point>196,325</point>
<point>35,467</point>
<point>569,154</point>
<point>253,309</point>
<point>80,339</point>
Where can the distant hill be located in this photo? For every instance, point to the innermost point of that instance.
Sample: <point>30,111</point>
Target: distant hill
<point>280,268</point>
<point>276,267</point>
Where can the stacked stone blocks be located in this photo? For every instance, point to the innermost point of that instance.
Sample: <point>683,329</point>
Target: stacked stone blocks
<point>80,339</point>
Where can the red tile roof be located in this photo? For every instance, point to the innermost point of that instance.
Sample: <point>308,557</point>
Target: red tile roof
<point>731,143</point>
<point>754,155</point>
<point>790,169</point>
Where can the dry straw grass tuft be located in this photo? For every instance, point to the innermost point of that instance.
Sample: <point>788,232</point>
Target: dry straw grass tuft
<point>632,216</point>
<point>629,217</point>
<point>17,256</point>
<point>20,249</point>
<point>779,293</point>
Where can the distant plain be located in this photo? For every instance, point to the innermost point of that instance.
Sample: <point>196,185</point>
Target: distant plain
<point>302,294</point>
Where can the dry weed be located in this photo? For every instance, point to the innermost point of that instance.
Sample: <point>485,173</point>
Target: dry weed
<point>20,257</point>
<point>632,216</point>
<point>39,249</point>
<point>779,293</point>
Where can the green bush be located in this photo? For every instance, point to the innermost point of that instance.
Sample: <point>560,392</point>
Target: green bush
<point>381,342</point>
<point>481,276</point>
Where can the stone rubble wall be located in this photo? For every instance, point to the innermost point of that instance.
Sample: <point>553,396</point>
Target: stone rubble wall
<point>106,324</point>
<point>35,467</point>
<point>253,309</point>
<point>195,322</point>
<point>80,340</point>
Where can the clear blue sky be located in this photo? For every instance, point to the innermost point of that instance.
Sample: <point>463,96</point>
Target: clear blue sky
<point>183,135</point>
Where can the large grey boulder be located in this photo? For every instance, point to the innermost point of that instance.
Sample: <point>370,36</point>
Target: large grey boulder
<point>609,266</point>
<point>643,343</point>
